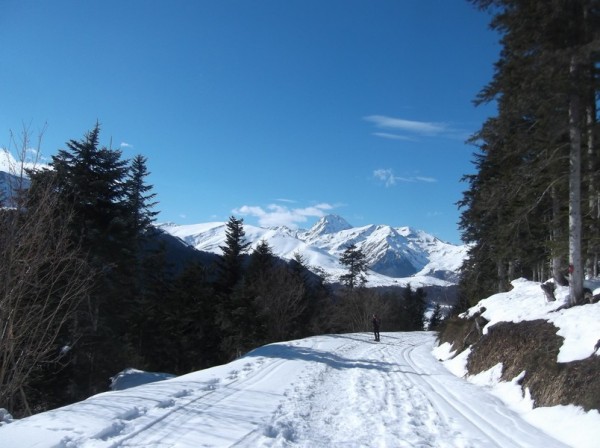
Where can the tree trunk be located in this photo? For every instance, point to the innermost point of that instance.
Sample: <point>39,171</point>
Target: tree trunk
<point>558,269</point>
<point>592,186</point>
<point>575,259</point>
<point>501,272</point>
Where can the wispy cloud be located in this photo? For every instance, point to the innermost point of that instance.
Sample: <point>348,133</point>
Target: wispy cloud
<point>389,179</point>
<point>402,129</point>
<point>417,127</point>
<point>424,179</point>
<point>394,136</point>
<point>277,215</point>
<point>289,201</point>
<point>386,176</point>
<point>124,145</point>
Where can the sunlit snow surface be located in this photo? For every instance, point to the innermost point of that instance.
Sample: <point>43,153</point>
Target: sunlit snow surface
<point>324,391</point>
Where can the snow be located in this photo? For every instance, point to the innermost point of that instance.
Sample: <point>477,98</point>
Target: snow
<point>580,328</point>
<point>323,391</point>
<point>435,262</point>
<point>336,391</point>
<point>129,378</point>
<point>579,325</point>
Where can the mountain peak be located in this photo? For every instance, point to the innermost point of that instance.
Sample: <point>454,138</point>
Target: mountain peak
<point>329,224</point>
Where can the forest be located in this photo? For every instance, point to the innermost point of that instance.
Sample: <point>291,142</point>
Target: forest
<point>532,209</point>
<point>89,286</point>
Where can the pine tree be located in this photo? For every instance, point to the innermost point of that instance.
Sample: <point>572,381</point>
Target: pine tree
<point>230,266</point>
<point>138,199</point>
<point>236,313</point>
<point>262,262</point>
<point>92,181</point>
<point>515,212</point>
<point>436,318</point>
<point>354,260</point>
<point>414,308</point>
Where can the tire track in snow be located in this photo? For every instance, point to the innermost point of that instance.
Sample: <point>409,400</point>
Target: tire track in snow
<point>497,425</point>
<point>384,395</point>
<point>370,402</point>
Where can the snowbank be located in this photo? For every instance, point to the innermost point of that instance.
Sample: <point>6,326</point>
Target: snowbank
<point>129,378</point>
<point>580,328</point>
<point>579,325</point>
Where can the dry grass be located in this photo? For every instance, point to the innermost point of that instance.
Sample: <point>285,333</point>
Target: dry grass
<point>531,347</point>
<point>461,333</point>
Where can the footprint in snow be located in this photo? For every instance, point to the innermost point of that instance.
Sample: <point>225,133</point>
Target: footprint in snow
<point>168,403</point>
<point>182,393</point>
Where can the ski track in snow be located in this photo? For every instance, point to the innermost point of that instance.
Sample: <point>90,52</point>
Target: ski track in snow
<point>326,391</point>
<point>389,401</point>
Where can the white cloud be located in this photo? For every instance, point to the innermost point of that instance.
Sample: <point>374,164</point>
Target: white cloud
<point>385,175</point>
<point>394,136</point>
<point>278,215</point>
<point>434,214</point>
<point>389,179</point>
<point>125,145</point>
<point>425,179</point>
<point>413,128</point>
<point>417,127</point>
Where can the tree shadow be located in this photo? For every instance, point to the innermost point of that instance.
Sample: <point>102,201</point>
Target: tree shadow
<point>313,355</point>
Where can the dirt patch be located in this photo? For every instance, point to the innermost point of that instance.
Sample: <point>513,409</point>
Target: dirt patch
<point>461,333</point>
<point>533,347</point>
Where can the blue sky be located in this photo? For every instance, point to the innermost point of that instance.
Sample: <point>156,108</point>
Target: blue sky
<point>276,111</point>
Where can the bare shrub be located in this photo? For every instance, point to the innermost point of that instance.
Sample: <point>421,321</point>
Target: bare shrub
<point>43,278</point>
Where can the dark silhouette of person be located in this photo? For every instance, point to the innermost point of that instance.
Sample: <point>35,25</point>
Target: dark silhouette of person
<point>376,324</point>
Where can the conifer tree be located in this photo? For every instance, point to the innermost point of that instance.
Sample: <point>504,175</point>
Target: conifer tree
<point>92,181</point>
<point>261,262</point>
<point>354,260</point>
<point>436,318</point>
<point>139,200</point>
<point>230,265</point>
<point>236,312</point>
<point>530,160</point>
<point>414,308</point>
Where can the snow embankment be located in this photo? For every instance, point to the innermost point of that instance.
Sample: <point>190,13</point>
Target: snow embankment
<point>580,328</point>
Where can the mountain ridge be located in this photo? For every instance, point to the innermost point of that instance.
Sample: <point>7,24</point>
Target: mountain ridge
<point>396,256</point>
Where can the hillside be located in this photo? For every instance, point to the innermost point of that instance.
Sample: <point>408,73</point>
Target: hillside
<point>396,256</point>
<point>320,392</point>
<point>548,351</point>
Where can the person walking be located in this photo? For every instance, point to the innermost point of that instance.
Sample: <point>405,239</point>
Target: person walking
<point>376,324</point>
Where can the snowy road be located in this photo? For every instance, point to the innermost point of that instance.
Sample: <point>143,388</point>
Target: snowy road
<point>326,391</point>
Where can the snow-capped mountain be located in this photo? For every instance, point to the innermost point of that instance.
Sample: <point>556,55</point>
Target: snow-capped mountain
<point>395,255</point>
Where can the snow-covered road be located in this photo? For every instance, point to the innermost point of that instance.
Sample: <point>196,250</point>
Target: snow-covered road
<point>325,391</point>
